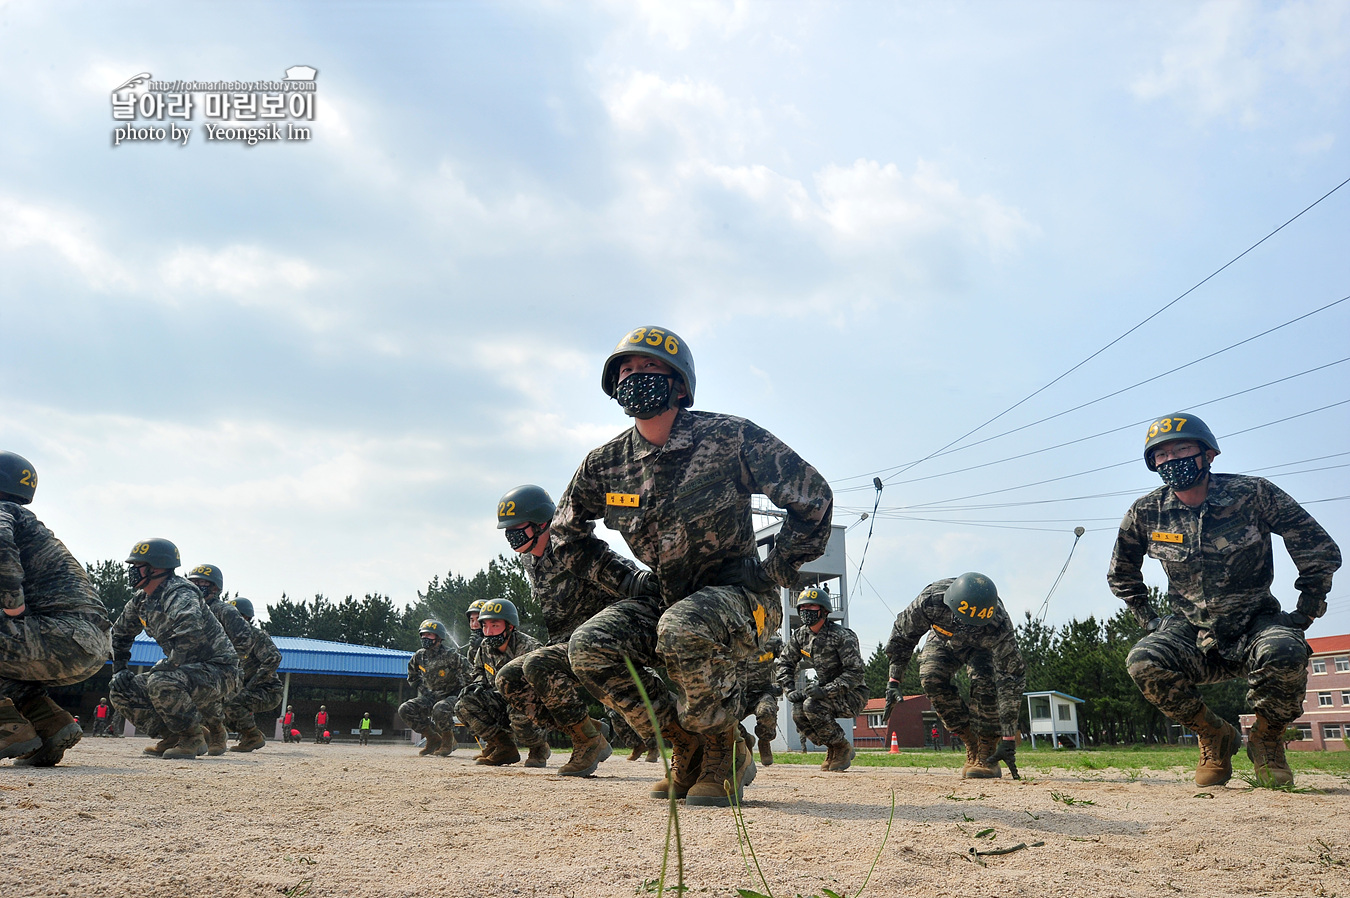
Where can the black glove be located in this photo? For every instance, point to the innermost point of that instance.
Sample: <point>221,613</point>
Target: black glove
<point>638,584</point>
<point>752,576</point>
<point>815,690</point>
<point>1300,620</point>
<point>121,678</point>
<point>893,697</point>
<point>1007,753</point>
<point>796,695</point>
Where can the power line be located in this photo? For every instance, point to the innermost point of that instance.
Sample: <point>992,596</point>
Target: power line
<point>1130,426</point>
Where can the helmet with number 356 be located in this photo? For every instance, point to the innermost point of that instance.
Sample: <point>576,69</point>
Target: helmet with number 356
<point>657,343</point>
<point>1180,426</point>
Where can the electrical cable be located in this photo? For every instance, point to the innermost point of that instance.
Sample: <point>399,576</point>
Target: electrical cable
<point>1045,606</point>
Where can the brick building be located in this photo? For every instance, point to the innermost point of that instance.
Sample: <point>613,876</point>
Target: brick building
<point>1325,723</point>
<point>913,721</point>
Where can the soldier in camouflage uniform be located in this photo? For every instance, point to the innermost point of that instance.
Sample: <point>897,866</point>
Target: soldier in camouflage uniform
<point>1211,533</point>
<point>678,487</point>
<point>437,675</point>
<point>625,735</point>
<point>209,581</point>
<point>761,698</point>
<point>966,625</point>
<point>262,687</point>
<point>840,689</point>
<point>541,685</point>
<point>492,720</point>
<point>199,666</point>
<point>54,630</point>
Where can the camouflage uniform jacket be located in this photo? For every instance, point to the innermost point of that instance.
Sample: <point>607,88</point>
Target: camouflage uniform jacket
<point>440,671</point>
<point>240,633</point>
<point>929,613</point>
<point>684,508</point>
<point>761,676</point>
<point>567,600</point>
<point>1218,557</point>
<point>176,618</point>
<point>263,659</point>
<point>37,569</point>
<point>491,660</point>
<point>833,652</point>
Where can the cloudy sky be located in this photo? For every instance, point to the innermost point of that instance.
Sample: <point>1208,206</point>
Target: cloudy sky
<point>877,226</point>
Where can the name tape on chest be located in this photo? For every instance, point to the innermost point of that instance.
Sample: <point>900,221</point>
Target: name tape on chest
<point>488,667</point>
<point>942,631</point>
<point>623,500</point>
<point>805,653</point>
<point>1159,536</point>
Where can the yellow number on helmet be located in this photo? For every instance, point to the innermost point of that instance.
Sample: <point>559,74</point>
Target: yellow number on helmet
<point>142,548</point>
<point>962,608</point>
<point>1181,422</point>
<point>28,478</point>
<point>654,336</point>
<point>672,345</point>
<point>1165,425</point>
<point>1152,431</point>
<point>637,335</point>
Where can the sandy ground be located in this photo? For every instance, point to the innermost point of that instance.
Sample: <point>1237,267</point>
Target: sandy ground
<point>342,820</point>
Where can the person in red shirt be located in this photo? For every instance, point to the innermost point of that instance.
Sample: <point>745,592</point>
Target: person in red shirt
<point>288,726</point>
<point>102,718</point>
<point>320,723</point>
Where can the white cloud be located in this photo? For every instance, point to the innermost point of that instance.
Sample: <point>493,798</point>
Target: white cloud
<point>67,234</point>
<point>247,273</point>
<point>677,23</point>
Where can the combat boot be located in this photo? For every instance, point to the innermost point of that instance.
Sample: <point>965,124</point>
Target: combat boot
<point>216,738</point>
<point>249,740</point>
<point>1219,741</point>
<point>840,756</point>
<point>501,751</point>
<point>765,736</point>
<point>163,745</point>
<point>448,744</point>
<point>972,750</point>
<point>652,754</point>
<point>638,751</point>
<point>985,744</point>
<point>539,755</point>
<point>686,761</point>
<point>716,784</point>
<point>57,729</point>
<point>433,743</point>
<point>589,748</point>
<point>189,746</point>
<point>17,736</point>
<point>1265,747</point>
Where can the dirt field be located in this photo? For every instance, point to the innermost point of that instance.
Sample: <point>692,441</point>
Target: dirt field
<point>341,820</point>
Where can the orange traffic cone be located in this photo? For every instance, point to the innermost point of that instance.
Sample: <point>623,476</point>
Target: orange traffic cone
<point>895,744</point>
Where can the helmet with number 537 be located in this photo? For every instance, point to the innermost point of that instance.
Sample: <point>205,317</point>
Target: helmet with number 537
<point>1180,426</point>
<point>657,343</point>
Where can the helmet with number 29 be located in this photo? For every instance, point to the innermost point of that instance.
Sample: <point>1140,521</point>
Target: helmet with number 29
<point>657,343</point>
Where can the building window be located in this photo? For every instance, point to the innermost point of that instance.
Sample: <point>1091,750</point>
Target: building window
<point>1040,708</point>
<point>1324,699</point>
<point>1331,731</point>
<point>1343,665</point>
<point>1304,731</point>
<point>1345,697</point>
<point>876,721</point>
<point>1319,665</point>
<point>1065,713</point>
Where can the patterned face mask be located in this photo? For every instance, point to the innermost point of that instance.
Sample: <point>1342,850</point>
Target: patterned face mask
<point>518,539</point>
<point>428,642</point>
<point>644,395</point>
<point>1181,473</point>
<point>496,642</point>
<point>809,616</point>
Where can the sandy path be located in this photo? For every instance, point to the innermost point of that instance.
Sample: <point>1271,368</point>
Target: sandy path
<point>381,821</point>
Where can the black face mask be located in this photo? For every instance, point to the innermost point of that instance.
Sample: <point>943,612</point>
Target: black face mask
<point>134,577</point>
<point>518,539</point>
<point>496,642</point>
<point>645,394</point>
<point>429,642</point>
<point>1182,473</point>
<point>809,616</point>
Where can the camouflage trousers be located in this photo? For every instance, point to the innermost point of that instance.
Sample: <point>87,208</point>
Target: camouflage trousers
<point>60,650</point>
<point>815,717</point>
<point>763,704</point>
<point>706,641</point>
<point>487,714</point>
<point>1167,666</point>
<point>541,686</point>
<point>428,712</point>
<point>623,734</point>
<point>938,664</point>
<point>164,701</point>
<point>598,651</point>
<point>239,708</point>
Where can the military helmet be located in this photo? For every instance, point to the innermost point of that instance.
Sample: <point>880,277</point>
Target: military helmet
<point>245,607</point>
<point>475,606</point>
<point>210,573</point>
<point>527,504</point>
<point>656,343</point>
<point>499,609</point>
<point>432,626</point>
<point>973,598</point>
<point>17,477</point>
<point>1180,426</point>
<point>160,554</point>
<point>815,595</point>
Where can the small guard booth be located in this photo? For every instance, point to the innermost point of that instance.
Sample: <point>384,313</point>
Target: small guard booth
<point>1054,716</point>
